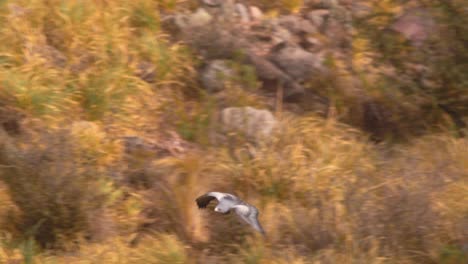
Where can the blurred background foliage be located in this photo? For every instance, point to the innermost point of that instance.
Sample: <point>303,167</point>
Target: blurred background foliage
<point>383,178</point>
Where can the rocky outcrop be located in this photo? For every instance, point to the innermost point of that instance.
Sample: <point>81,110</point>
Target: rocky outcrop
<point>284,51</point>
<point>296,62</point>
<point>256,124</point>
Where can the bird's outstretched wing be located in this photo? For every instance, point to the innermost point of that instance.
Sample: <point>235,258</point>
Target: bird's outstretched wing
<point>253,220</point>
<point>249,214</point>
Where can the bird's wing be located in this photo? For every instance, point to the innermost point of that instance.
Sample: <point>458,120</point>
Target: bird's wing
<point>249,214</point>
<point>218,195</point>
<point>253,220</point>
<point>205,199</point>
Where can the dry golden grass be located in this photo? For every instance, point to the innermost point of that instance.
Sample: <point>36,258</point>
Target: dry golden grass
<point>326,193</point>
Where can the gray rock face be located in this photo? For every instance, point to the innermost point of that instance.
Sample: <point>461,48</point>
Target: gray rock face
<point>296,62</point>
<point>198,19</point>
<point>268,72</point>
<point>215,75</point>
<point>243,13</point>
<point>360,10</point>
<point>211,3</point>
<point>415,25</point>
<point>297,25</point>
<point>255,123</point>
<point>312,43</point>
<point>323,3</point>
<point>228,8</point>
<point>280,34</point>
<point>255,13</point>
<point>318,17</point>
<point>257,42</point>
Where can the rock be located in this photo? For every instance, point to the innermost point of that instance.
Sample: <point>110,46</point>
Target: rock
<point>318,17</point>
<point>180,21</point>
<point>280,34</point>
<point>415,25</point>
<point>337,34</point>
<point>228,9</point>
<point>307,27</point>
<point>243,13</point>
<point>327,4</point>
<point>255,13</point>
<point>255,123</point>
<point>268,32</point>
<point>360,10</point>
<point>216,41</point>
<point>197,19</point>
<point>265,69</point>
<point>296,62</point>
<point>346,3</point>
<point>297,25</point>
<point>215,75</point>
<point>272,76</point>
<point>173,23</point>
<point>211,3</point>
<point>200,18</point>
<point>311,43</point>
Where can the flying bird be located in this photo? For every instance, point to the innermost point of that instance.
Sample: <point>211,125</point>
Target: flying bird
<point>228,202</point>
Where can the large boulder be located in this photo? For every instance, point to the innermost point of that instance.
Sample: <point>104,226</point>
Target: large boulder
<point>272,76</point>
<point>296,62</point>
<point>254,123</point>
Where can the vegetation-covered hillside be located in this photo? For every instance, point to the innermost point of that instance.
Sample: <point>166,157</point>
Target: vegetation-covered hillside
<point>343,122</point>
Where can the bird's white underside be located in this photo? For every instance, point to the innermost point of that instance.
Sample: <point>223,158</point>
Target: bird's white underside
<point>242,209</point>
<point>217,195</point>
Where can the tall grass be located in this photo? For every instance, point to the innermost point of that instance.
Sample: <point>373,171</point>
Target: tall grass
<point>71,192</point>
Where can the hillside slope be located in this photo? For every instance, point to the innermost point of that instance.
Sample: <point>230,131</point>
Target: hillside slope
<point>343,122</point>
